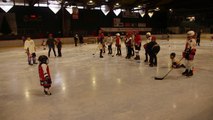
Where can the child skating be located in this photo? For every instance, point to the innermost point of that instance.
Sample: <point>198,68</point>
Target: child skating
<point>44,74</point>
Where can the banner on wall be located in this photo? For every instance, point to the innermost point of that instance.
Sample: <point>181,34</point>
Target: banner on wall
<point>75,13</point>
<point>129,14</point>
<point>125,29</point>
<point>141,24</point>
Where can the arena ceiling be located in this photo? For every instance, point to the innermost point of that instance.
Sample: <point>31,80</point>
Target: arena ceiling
<point>179,5</point>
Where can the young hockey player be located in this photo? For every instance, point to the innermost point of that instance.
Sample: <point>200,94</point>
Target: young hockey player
<point>76,38</point>
<point>189,53</point>
<point>101,42</point>
<point>175,63</point>
<point>118,44</point>
<point>59,46</point>
<point>137,45</point>
<point>30,49</point>
<point>148,40</point>
<point>128,41</point>
<point>44,74</point>
<point>152,49</point>
<point>43,44</point>
<point>109,43</point>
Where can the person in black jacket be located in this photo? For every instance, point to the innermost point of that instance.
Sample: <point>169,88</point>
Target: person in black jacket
<point>152,49</point>
<point>76,38</point>
<point>198,37</point>
<point>59,46</point>
<point>51,44</point>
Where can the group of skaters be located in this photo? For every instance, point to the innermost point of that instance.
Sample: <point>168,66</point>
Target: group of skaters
<point>43,68</point>
<point>132,42</point>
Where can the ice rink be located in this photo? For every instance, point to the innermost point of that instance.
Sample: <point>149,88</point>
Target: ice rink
<point>86,87</point>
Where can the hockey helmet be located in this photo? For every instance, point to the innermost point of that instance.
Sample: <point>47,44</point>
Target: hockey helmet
<point>172,54</point>
<point>117,34</point>
<point>148,34</point>
<point>190,33</point>
<point>43,59</point>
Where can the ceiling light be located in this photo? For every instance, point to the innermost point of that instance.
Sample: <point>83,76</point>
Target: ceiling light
<point>150,14</point>
<point>54,8</point>
<point>6,6</point>
<point>142,13</point>
<point>105,9</point>
<point>90,2</point>
<point>70,9</point>
<point>192,18</point>
<point>117,11</point>
<point>157,9</point>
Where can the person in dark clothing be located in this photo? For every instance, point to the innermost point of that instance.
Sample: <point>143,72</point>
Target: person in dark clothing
<point>198,38</point>
<point>152,49</point>
<point>81,39</point>
<point>51,44</point>
<point>76,38</point>
<point>100,39</point>
<point>59,46</point>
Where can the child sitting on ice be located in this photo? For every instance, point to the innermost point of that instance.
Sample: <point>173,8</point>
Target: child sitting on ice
<point>175,63</point>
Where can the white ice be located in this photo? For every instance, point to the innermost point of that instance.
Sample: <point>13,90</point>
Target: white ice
<point>86,87</point>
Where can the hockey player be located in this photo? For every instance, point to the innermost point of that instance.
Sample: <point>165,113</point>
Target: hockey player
<point>148,39</point>
<point>30,49</point>
<point>137,45</point>
<point>118,44</point>
<point>189,53</point>
<point>43,44</point>
<point>133,44</point>
<point>51,44</point>
<point>76,38</point>
<point>128,41</point>
<point>109,43</point>
<point>59,46</point>
<point>101,42</point>
<point>175,63</point>
<point>152,49</point>
<point>44,74</point>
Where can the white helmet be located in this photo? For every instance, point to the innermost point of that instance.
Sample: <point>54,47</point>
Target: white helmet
<point>117,34</point>
<point>190,33</point>
<point>148,34</point>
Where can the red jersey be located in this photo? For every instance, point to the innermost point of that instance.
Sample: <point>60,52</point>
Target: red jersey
<point>42,75</point>
<point>138,39</point>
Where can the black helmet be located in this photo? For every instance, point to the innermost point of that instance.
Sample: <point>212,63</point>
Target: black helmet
<point>43,59</point>
<point>173,54</point>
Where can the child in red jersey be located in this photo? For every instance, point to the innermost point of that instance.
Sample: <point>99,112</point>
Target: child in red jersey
<point>44,74</point>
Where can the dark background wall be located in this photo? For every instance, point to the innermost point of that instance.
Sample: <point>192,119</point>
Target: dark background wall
<point>38,22</point>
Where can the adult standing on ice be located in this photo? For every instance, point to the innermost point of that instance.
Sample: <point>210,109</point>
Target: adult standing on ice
<point>51,44</point>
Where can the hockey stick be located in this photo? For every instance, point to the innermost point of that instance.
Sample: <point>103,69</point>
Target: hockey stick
<point>161,78</point>
<point>95,50</point>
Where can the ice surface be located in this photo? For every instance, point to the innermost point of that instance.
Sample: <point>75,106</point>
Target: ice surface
<point>86,87</point>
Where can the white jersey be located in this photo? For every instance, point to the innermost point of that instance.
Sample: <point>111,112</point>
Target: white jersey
<point>109,40</point>
<point>191,44</point>
<point>29,45</point>
<point>148,40</point>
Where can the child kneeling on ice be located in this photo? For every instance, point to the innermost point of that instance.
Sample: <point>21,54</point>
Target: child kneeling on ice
<point>175,63</point>
<point>44,74</point>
